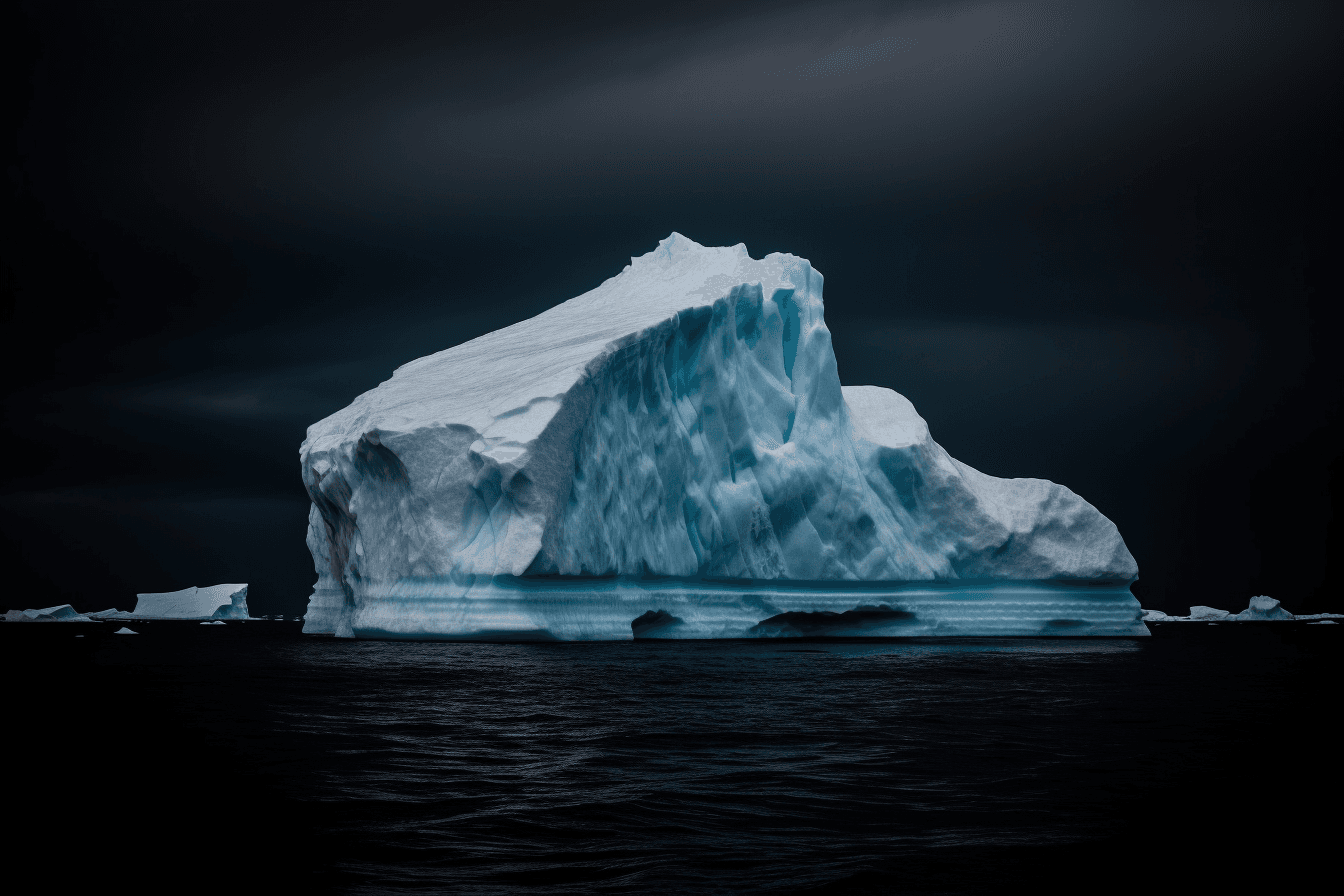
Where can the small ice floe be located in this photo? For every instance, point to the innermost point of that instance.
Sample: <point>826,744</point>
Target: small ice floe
<point>124,631</point>
<point>110,614</point>
<point>1323,622</point>
<point>216,622</point>
<point>1263,607</point>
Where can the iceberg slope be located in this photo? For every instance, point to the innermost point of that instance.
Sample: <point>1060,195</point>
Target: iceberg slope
<point>683,422</point>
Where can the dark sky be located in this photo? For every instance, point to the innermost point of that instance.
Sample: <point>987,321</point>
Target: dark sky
<point>1092,242</point>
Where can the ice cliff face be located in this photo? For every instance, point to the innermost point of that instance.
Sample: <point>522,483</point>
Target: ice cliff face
<point>213,602</point>
<point>684,419</point>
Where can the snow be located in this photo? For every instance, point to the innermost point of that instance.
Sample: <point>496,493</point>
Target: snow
<point>216,601</point>
<point>679,431</point>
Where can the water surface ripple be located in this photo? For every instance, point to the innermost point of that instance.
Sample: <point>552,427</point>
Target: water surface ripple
<point>373,767</point>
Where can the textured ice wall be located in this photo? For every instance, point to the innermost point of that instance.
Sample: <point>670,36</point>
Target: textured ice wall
<point>685,419</point>
<point>213,602</point>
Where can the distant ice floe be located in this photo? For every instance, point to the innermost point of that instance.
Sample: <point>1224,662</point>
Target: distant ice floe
<point>1263,608</point>
<point>214,602</point>
<point>62,613</point>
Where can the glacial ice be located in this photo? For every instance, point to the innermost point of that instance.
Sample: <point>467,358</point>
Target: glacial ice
<point>672,455</point>
<point>1263,607</point>
<point>62,613</point>
<point>214,602</point>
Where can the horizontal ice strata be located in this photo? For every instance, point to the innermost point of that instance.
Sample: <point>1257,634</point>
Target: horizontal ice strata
<point>512,609</point>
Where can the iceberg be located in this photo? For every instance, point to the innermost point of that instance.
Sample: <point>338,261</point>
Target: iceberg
<point>214,602</point>
<point>672,455</point>
<point>62,613</point>
<point>1261,608</point>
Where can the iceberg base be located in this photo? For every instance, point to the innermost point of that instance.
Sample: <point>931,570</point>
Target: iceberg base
<point>505,608</point>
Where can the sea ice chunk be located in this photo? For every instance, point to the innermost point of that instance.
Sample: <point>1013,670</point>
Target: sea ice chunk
<point>62,613</point>
<point>1207,614</point>
<point>1263,607</point>
<point>677,441</point>
<point>214,602</point>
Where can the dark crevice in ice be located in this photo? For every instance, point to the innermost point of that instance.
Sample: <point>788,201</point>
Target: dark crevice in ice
<point>828,623</point>
<point>653,622</point>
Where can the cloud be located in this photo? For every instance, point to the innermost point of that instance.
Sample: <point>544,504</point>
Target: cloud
<point>852,99</point>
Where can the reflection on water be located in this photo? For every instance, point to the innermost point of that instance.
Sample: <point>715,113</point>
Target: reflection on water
<point>701,766</point>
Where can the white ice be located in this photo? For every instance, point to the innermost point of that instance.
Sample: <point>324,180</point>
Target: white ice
<point>61,613</point>
<point>679,430</point>
<point>1262,608</point>
<point>214,602</point>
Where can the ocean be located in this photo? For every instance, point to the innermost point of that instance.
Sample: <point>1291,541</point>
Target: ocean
<point>1206,755</point>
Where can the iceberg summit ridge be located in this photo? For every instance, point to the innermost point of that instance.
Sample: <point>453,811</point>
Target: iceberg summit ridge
<point>676,436</point>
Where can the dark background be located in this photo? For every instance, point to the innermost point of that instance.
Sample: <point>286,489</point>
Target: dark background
<point>1095,243</point>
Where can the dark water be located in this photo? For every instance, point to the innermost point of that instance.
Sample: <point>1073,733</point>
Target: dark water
<point>1206,754</point>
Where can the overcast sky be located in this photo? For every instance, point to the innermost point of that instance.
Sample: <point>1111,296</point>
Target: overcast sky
<point>1093,242</point>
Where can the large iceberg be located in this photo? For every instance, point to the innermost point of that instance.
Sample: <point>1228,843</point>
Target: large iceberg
<point>675,445</point>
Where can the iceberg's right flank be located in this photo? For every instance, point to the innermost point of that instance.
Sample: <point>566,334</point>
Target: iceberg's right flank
<point>672,455</point>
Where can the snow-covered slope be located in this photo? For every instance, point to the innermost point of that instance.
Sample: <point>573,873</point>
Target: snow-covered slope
<point>684,421</point>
